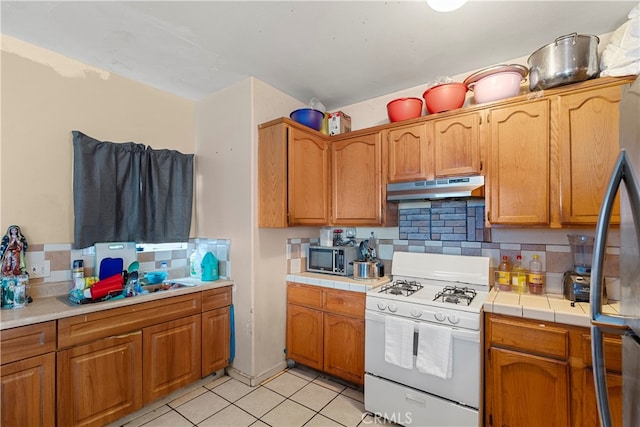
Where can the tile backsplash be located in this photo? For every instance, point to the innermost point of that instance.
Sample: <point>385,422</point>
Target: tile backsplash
<point>60,257</point>
<point>556,259</point>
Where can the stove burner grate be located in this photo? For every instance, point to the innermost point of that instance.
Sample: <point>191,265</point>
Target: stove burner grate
<point>401,287</point>
<point>456,295</point>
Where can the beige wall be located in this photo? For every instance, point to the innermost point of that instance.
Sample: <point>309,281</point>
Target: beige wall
<point>226,170</point>
<point>44,97</point>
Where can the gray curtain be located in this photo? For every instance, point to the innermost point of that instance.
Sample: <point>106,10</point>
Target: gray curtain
<point>129,192</point>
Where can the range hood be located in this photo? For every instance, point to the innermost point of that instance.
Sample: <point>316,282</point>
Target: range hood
<point>441,188</point>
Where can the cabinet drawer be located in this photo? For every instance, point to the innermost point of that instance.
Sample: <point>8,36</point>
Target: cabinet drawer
<point>612,352</point>
<point>80,329</point>
<point>310,296</point>
<point>27,341</point>
<point>532,337</point>
<point>216,298</point>
<point>344,302</point>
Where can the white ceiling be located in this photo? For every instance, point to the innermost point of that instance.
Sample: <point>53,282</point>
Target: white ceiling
<point>340,52</point>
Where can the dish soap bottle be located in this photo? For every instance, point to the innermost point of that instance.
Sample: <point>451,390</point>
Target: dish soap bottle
<point>519,277</point>
<point>536,276</point>
<point>504,274</point>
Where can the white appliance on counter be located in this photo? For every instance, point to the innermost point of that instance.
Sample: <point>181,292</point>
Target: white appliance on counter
<point>422,340</point>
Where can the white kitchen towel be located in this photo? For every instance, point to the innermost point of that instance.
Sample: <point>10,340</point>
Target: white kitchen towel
<point>398,341</point>
<point>435,351</point>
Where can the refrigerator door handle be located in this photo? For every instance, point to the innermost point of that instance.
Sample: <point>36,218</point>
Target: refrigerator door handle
<point>623,171</point>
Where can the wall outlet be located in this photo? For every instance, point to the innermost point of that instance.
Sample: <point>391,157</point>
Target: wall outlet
<point>40,269</point>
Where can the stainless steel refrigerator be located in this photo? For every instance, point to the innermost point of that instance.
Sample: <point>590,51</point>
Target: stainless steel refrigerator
<point>627,173</point>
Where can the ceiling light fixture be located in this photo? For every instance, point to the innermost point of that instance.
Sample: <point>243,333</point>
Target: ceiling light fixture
<point>445,5</point>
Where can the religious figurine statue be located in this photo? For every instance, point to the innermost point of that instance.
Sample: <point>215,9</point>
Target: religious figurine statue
<point>12,250</point>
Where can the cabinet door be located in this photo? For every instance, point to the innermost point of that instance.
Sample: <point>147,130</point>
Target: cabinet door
<point>172,356</point>
<point>272,175</point>
<point>457,145</point>
<point>528,390</point>
<point>304,336</point>
<point>590,408</point>
<point>309,178</point>
<point>518,173</point>
<point>410,152</point>
<point>341,360</point>
<point>588,151</point>
<point>100,382</point>
<point>357,180</point>
<point>216,333</point>
<point>28,392</point>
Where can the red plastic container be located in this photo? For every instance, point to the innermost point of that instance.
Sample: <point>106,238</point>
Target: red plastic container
<point>104,287</point>
<point>445,97</point>
<point>404,109</point>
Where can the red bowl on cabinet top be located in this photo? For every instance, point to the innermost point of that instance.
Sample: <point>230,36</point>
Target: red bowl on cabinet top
<point>445,97</point>
<point>404,109</point>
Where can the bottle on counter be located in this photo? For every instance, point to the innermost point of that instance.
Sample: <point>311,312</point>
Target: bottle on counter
<point>373,244</point>
<point>536,276</point>
<point>195,261</point>
<point>165,268</point>
<point>519,277</point>
<point>504,274</point>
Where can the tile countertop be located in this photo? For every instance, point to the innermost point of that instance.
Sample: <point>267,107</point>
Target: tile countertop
<point>52,308</point>
<point>545,307</point>
<point>338,282</point>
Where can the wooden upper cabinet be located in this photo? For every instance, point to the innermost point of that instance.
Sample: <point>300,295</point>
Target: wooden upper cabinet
<point>357,180</point>
<point>410,152</point>
<point>272,175</point>
<point>588,147</point>
<point>457,145</point>
<point>309,178</point>
<point>518,173</point>
<point>293,176</point>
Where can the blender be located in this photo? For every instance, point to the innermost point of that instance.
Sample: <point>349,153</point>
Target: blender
<point>577,281</point>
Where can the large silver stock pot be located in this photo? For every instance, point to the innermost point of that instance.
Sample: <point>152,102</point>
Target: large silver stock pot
<point>569,59</point>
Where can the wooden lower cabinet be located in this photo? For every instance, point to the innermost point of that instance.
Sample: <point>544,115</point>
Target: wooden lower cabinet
<point>171,353</point>
<point>98,367</point>
<point>325,330</point>
<point>588,399</point>
<point>28,375</point>
<point>344,361</point>
<point>523,384</point>
<point>305,336</point>
<point>216,334</point>
<point>539,373</point>
<point>216,329</point>
<point>28,392</point>
<point>101,381</point>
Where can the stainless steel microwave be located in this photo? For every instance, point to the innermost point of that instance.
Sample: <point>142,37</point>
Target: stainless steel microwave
<point>336,260</point>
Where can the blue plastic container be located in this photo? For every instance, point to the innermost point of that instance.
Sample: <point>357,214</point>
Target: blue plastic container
<point>308,117</point>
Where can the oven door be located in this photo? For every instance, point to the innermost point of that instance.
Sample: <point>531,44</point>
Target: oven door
<point>463,386</point>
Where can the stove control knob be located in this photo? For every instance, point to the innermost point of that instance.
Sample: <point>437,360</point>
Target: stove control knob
<point>416,313</point>
<point>440,317</point>
<point>382,305</point>
<point>393,308</point>
<point>453,318</point>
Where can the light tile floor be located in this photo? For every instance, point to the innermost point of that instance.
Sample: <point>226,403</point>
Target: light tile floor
<point>293,398</point>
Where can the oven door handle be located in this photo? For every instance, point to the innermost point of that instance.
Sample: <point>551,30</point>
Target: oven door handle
<point>462,334</point>
<point>415,398</point>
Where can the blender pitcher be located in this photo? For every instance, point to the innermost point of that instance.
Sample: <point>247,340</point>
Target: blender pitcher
<point>582,251</point>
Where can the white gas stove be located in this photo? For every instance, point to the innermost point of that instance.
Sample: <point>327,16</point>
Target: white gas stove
<point>445,289</point>
<point>422,345</point>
